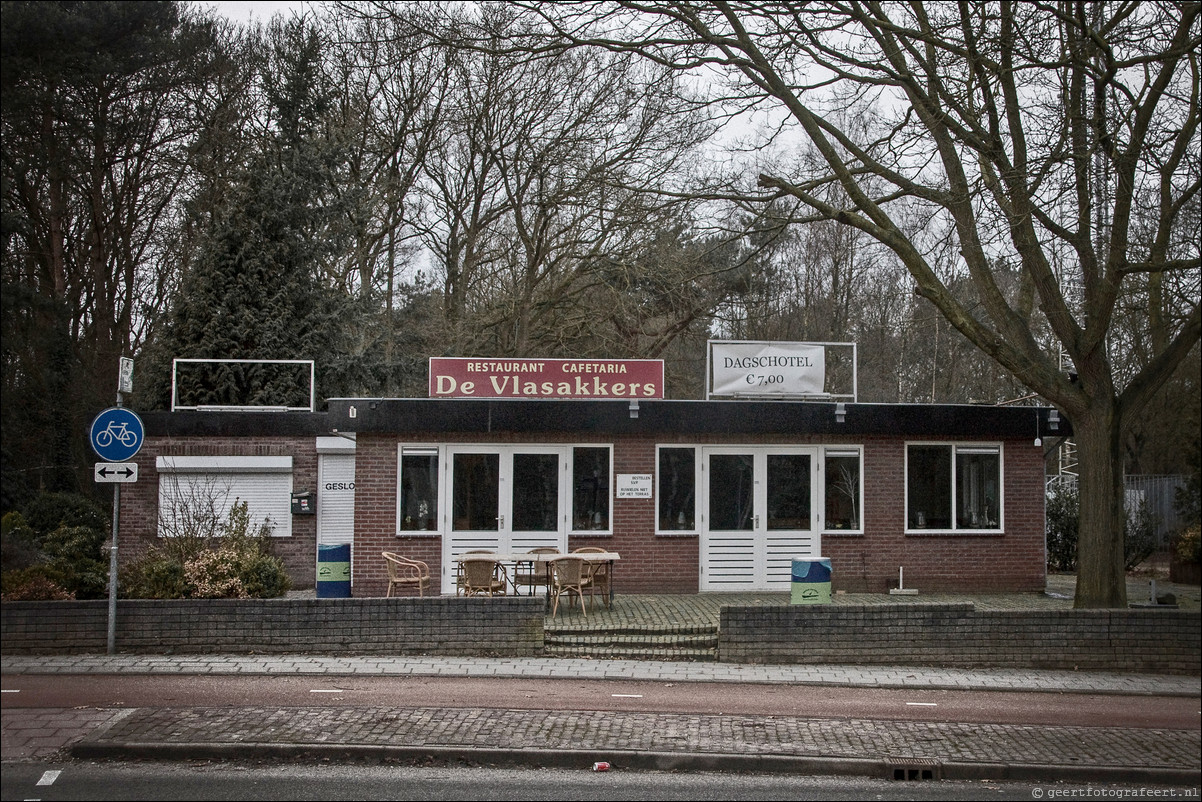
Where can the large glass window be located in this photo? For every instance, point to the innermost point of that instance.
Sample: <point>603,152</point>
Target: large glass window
<point>419,489</point>
<point>535,492</point>
<point>842,490</point>
<point>677,491</point>
<point>953,487</point>
<point>731,489</point>
<point>788,491</point>
<point>590,488</point>
<point>475,492</point>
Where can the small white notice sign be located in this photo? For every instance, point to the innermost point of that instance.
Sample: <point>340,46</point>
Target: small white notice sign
<point>634,485</point>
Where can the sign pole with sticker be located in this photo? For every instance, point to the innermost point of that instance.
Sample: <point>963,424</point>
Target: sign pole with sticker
<point>116,436</point>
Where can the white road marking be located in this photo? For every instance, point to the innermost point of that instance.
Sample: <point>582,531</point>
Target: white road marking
<point>626,695</point>
<point>923,704</point>
<point>49,777</point>
<point>325,690</point>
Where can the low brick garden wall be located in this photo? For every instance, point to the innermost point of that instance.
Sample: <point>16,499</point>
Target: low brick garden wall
<point>959,635</point>
<point>505,626</point>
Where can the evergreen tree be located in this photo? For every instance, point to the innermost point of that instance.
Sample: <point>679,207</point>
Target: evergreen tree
<point>254,290</point>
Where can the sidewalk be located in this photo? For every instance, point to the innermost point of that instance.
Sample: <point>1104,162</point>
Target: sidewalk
<point>882,748</point>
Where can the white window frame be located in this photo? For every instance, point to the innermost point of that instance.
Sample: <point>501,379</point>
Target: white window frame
<point>570,501</point>
<point>967,447</point>
<point>697,473</point>
<point>422,449</point>
<point>216,466</point>
<point>842,451</point>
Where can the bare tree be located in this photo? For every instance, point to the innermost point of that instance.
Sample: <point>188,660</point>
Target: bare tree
<point>1058,139</point>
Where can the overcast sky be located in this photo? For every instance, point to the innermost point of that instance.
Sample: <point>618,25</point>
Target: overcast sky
<point>261,10</point>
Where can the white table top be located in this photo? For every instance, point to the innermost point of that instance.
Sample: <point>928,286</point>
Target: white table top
<point>503,557</point>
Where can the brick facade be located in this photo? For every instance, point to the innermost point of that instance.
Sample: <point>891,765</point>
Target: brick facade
<point>138,524</point>
<point>1012,559</point>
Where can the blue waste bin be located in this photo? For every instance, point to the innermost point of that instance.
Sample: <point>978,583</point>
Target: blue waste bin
<point>811,581</point>
<point>334,572</point>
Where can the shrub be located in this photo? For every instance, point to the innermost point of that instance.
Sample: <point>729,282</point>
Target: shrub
<point>1063,515</point>
<point>1188,545</point>
<point>66,535</point>
<point>35,583</point>
<point>235,562</point>
<point>1063,521</point>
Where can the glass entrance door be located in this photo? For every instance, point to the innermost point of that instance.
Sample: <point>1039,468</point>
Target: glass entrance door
<point>760,512</point>
<point>507,499</point>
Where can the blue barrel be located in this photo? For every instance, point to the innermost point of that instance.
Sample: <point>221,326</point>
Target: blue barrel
<point>811,581</point>
<point>334,572</point>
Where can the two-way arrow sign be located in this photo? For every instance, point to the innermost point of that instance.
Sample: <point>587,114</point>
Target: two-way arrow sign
<point>116,471</point>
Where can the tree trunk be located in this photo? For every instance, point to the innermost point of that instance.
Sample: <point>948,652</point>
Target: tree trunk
<point>1101,581</point>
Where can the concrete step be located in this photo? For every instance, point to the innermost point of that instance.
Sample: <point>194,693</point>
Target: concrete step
<point>672,653</point>
<point>703,640</point>
<point>682,643</point>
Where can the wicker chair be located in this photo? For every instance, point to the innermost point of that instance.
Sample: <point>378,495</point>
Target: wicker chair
<point>570,576</point>
<point>598,574</point>
<point>539,573</point>
<point>483,576</point>
<point>404,572</point>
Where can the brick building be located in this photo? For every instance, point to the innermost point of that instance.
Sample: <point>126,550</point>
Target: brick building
<point>696,496</point>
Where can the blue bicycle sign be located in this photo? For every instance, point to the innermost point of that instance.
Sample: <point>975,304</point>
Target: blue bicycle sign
<point>116,434</point>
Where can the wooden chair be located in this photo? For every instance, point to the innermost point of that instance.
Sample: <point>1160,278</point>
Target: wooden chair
<point>404,572</point>
<point>598,574</point>
<point>569,575</point>
<point>483,576</point>
<point>539,574</point>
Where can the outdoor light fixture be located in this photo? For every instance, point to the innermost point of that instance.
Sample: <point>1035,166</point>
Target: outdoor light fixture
<point>1054,420</point>
<point>634,409</point>
<point>1038,439</point>
<point>840,412</point>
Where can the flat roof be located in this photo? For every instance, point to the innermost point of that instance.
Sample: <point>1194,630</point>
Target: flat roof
<point>400,415</point>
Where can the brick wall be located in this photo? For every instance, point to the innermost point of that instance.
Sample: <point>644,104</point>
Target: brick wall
<point>958,635</point>
<point>1012,560</point>
<point>509,626</point>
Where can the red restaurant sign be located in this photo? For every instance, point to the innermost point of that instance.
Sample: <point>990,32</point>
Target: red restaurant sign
<point>453,377</point>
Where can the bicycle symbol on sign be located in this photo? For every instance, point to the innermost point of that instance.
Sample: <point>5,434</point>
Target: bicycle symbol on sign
<point>119,432</point>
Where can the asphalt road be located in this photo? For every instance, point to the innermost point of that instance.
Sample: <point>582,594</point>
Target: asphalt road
<point>971,706</point>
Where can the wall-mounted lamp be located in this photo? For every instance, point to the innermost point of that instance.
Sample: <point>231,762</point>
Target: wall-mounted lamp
<point>634,409</point>
<point>1054,420</point>
<point>840,412</point>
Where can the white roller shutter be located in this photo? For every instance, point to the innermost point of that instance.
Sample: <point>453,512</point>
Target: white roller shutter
<point>335,493</point>
<point>197,489</point>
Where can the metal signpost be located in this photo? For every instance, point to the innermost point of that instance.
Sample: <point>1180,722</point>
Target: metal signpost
<point>116,436</point>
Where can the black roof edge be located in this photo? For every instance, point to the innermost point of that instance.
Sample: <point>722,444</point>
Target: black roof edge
<point>400,415</point>
<point>234,424</point>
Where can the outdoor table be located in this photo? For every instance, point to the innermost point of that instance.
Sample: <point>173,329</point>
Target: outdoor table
<point>608,557</point>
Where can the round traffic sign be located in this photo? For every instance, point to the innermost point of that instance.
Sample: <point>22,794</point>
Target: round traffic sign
<point>116,434</point>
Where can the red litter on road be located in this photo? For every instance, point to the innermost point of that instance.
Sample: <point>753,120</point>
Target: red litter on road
<point>602,766</point>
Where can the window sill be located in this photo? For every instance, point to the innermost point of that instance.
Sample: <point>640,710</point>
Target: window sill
<point>955,532</point>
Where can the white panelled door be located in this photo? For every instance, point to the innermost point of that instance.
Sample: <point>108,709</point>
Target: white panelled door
<point>503,499</point>
<point>760,510</point>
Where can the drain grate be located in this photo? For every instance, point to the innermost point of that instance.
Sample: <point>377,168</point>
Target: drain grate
<point>914,768</point>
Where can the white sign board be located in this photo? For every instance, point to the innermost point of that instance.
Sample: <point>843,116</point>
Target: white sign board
<point>634,485</point>
<point>125,376</point>
<point>767,369</point>
<point>115,472</point>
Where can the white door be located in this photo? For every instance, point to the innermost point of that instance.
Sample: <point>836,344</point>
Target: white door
<point>507,499</point>
<point>759,511</point>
